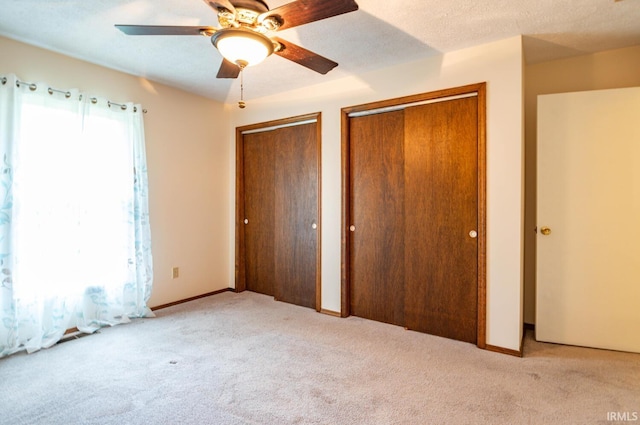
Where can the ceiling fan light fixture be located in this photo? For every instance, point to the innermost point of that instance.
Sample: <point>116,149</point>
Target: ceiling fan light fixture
<point>242,47</point>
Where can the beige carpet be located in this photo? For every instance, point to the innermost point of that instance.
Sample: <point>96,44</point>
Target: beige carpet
<point>246,359</point>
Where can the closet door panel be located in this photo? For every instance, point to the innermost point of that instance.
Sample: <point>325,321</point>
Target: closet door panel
<point>259,199</point>
<point>296,207</point>
<point>377,215</point>
<point>441,210</point>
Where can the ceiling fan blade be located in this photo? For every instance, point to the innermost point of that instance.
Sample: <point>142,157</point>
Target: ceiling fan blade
<point>304,11</point>
<point>164,30</point>
<point>304,57</point>
<point>228,69</point>
<point>221,3</point>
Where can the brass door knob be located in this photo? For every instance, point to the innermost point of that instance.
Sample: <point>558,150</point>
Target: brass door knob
<point>545,231</point>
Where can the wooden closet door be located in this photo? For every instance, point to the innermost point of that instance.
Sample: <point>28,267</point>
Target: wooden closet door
<point>377,212</point>
<point>278,224</point>
<point>259,206</point>
<point>441,204</point>
<point>296,221</point>
<point>414,209</point>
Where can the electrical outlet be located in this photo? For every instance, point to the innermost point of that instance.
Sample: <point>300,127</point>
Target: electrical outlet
<point>175,272</point>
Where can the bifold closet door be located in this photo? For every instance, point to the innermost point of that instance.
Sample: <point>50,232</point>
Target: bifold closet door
<point>281,226</point>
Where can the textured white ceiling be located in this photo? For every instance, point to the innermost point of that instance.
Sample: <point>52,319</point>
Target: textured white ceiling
<point>379,34</point>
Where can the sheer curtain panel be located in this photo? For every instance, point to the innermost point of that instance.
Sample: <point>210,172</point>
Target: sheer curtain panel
<point>75,245</point>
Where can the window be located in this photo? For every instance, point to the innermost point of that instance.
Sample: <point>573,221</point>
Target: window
<point>74,229</point>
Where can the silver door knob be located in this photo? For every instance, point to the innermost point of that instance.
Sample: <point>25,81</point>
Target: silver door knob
<point>473,234</point>
<point>314,226</point>
<point>246,221</point>
<point>352,228</point>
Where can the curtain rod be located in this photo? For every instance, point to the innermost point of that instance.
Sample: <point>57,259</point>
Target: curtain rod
<point>67,94</point>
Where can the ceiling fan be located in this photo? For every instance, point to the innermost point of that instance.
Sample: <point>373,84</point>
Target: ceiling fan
<point>243,38</point>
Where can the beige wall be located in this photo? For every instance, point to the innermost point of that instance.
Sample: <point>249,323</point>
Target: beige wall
<point>188,153</point>
<point>605,70</point>
<point>500,65</point>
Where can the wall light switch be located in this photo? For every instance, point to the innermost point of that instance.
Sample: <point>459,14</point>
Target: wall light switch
<point>175,272</point>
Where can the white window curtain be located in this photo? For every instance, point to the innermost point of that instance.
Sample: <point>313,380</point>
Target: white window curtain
<point>75,246</point>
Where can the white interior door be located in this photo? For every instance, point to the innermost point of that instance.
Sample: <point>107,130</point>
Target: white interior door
<point>588,266</point>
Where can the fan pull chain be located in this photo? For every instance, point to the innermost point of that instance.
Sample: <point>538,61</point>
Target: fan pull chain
<point>241,104</point>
